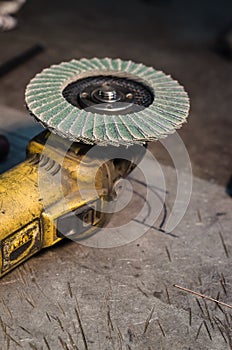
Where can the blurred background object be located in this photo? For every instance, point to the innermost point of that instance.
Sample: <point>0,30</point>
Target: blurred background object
<point>20,58</point>
<point>7,9</point>
<point>4,147</point>
<point>224,42</point>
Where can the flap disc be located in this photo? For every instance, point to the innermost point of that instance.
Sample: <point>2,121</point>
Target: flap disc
<point>107,101</point>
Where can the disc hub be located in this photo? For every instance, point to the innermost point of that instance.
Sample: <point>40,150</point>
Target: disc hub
<point>108,95</point>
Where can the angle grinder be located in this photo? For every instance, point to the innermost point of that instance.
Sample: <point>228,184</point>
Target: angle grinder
<point>82,103</point>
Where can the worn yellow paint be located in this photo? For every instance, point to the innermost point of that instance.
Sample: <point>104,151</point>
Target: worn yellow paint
<point>46,186</point>
<point>24,208</point>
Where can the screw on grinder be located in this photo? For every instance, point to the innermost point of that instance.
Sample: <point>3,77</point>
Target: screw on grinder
<point>107,101</point>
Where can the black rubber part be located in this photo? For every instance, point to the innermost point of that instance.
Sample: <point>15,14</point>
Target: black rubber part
<point>142,95</point>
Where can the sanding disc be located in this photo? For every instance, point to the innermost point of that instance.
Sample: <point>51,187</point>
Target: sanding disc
<point>107,101</point>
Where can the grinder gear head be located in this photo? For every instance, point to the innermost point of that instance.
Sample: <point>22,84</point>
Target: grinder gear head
<point>107,101</point>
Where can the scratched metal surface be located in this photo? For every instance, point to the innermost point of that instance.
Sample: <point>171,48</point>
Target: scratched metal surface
<point>75,297</point>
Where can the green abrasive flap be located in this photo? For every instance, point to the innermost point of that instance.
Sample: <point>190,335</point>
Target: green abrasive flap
<point>107,101</point>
